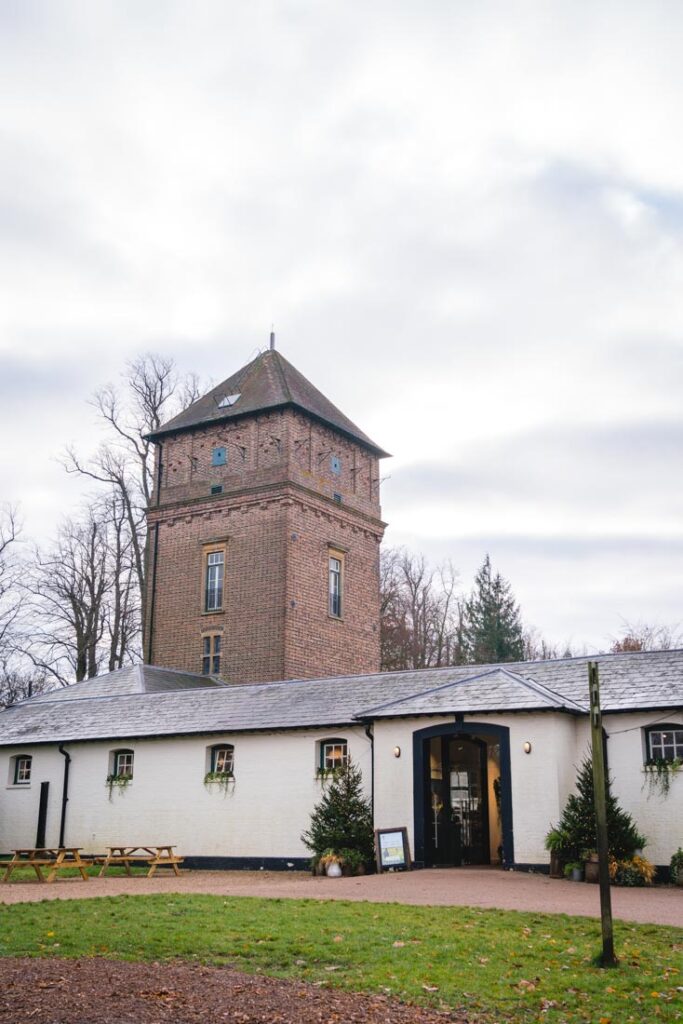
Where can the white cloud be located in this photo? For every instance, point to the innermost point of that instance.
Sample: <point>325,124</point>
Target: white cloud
<point>464,220</point>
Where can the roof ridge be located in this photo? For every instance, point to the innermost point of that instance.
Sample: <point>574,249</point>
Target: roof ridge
<point>541,688</point>
<point>433,689</point>
<point>279,360</point>
<point>556,699</point>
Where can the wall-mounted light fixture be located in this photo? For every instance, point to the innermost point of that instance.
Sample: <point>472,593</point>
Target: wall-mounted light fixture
<point>397,751</point>
<point>527,747</point>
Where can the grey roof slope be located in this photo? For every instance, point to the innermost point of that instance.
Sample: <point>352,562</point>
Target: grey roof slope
<point>267,382</point>
<point>131,679</point>
<point>148,701</point>
<point>494,690</point>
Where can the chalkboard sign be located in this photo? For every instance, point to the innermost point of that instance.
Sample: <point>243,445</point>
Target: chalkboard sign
<point>391,849</point>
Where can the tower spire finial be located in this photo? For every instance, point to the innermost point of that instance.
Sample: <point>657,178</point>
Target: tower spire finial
<point>272,338</point>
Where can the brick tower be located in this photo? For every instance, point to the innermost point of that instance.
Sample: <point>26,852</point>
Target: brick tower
<point>264,533</point>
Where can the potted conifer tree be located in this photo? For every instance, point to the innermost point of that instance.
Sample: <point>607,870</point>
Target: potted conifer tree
<point>341,825</point>
<point>575,835</point>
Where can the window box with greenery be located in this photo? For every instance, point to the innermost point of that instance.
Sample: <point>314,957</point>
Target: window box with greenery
<point>121,773</point>
<point>333,754</point>
<point>664,757</point>
<point>221,764</point>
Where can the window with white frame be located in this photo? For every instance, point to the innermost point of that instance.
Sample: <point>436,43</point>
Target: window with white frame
<point>335,583</point>
<point>21,775</point>
<point>214,574</point>
<point>664,742</point>
<point>211,654</point>
<point>123,764</point>
<point>223,759</point>
<point>334,754</point>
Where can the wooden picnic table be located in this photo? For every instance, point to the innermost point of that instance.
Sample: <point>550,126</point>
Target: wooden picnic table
<point>54,859</point>
<point>157,856</point>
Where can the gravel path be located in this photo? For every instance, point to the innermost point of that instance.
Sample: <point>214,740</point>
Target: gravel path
<point>475,887</point>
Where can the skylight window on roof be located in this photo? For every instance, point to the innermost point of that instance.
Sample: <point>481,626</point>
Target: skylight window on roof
<point>228,400</point>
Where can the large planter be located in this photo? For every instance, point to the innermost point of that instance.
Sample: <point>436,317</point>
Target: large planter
<point>592,869</point>
<point>333,870</point>
<point>556,866</point>
<point>576,875</point>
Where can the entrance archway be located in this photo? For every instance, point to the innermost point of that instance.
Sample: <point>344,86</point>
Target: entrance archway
<point>462,795</point>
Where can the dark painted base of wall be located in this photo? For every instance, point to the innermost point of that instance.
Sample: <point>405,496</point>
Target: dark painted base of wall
<point>303,864</point>
<point>248,863</point>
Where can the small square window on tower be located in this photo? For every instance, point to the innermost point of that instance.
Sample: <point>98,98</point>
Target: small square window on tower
<point>219,457</point>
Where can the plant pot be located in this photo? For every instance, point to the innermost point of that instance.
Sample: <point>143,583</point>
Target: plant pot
<point>333,870</point>
<point>576,875</point>
<point>556,866</point>
<point>592,869</point>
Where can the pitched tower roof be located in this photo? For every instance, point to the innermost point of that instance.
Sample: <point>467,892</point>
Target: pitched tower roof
<point>266,383</point>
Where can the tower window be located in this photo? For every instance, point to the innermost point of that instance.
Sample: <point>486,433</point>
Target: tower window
<point>211,656</point>
<point>219,457</point>
<point>335,584</point>
<point>215,565</point>
<point>335,465</point>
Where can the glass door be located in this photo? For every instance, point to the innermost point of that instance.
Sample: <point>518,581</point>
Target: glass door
<point>457,806</point>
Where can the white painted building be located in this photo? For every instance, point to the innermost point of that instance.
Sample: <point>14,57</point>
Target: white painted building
<point>264,545</point>
<point>431,745</point>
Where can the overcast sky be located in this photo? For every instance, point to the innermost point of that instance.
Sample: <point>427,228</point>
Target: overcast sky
<point>464,219</point>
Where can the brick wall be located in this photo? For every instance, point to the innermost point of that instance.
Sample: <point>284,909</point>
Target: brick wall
<point>277,518</point>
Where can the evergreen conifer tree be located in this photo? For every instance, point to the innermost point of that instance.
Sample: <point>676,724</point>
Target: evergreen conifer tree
<point>343,818</point>
<point>491,629</point>
<point>578,827</point>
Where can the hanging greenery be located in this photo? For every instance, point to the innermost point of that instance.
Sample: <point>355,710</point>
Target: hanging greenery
<point>221,779</point>
<point>118,781</point>
<point>659,771</point>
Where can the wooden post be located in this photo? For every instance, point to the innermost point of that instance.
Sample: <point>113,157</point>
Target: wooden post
<point>608,959</point>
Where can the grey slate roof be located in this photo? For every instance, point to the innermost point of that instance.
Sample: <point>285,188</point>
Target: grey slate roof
<point>132,679</point>
<point>149,701</point>
<point>493,690</point>
<point>267,382</point>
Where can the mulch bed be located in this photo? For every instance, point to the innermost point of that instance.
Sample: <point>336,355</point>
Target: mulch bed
<point>100,991</point>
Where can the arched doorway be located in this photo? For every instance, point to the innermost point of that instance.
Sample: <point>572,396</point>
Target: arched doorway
<point>462,795</point>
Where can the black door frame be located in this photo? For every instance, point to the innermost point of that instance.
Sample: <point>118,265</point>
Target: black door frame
<point>420,781</point>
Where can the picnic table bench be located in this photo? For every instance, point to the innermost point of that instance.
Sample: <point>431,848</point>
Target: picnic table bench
<point>162,856</point>
<point>53,859</point>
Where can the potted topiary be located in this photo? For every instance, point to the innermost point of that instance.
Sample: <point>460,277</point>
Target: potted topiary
<point>676,867</point>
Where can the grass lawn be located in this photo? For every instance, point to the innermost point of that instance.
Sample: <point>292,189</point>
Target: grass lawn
<point>494,965</point>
